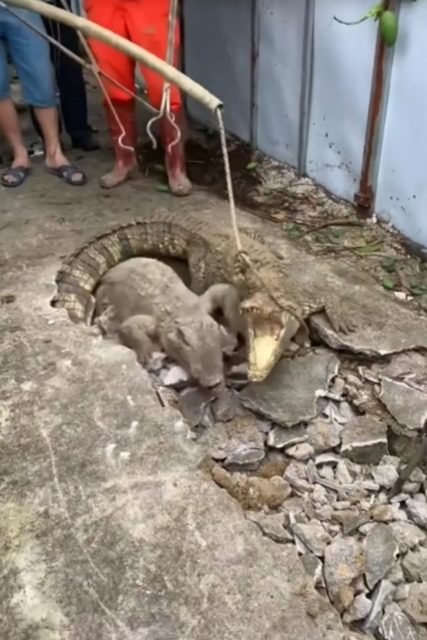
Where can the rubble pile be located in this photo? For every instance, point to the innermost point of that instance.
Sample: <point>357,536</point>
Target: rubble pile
<point>312,455</point>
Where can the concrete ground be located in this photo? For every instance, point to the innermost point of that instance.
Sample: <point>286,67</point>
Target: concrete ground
<point>109,528</point>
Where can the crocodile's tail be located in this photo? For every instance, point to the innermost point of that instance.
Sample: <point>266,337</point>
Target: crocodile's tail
<point>79,275</point>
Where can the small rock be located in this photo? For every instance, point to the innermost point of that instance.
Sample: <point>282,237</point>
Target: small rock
<point>327,473</point>
<point>406,404</point>
<point>366,528</point>
<point>323,435</point>
<point>342,505</point>
<point>387,513</point>
<point>244,456</point>
<point>344,598</point>
<point>411,487</point>
<point>251,492</point>
<point>401,592</point>
<point>383,595</point>
<point>385,475</point>
<point>319,495</point>
<point>302,451</point>
<point>271,525</point>
<point>324,513</point>
<point>313,567</point>
<point>380,552</point>
<point>415,605</point>
<point>175,377</point>
<point>395,575</point>
<point>415,565</point>
<point>342,474</point>
<point>238,442</point>
<point>280,438</point>
<point>400,497</point>
<point>237,376</point>
<point>417,475</point>
<point>313,535</point>
<point>407,535</point>
<point>364,440</point>
<point>224,406</point>
<point>417,512</point>
<point>395,625</point>
<point>359,609</point>
<point>195,406</point>
<point>156,362</point>
<point>420,497</point>
<point>344,561</point>
<point>327,458</point>
<point>274,464</point>
<point>296,475</point>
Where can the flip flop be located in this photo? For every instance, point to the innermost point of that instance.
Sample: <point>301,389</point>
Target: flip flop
<point>66,173</point>
<point>19,174</point>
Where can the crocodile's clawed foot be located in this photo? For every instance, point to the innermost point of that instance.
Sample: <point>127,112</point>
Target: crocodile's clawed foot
<point>340,321</point>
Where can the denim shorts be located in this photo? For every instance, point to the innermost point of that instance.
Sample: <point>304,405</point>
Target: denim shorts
<point>30,55</point>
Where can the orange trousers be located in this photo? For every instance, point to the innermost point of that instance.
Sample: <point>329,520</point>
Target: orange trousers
<point>143,22</point>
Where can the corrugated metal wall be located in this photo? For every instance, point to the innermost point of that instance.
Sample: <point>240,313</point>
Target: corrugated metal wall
<point>297,84</point>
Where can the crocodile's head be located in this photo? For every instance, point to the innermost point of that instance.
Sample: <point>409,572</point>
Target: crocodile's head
<point>268,331</point>
<point>197,344</point>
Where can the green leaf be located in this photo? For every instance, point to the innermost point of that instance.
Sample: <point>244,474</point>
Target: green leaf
<point>417,288</point>
<point>389,265</point>
<point>295,231</point>
<point>389,283</point>
<point>162,187</point>
<point>252,166</point>
<point>370,248</point>
<point>336,232</point>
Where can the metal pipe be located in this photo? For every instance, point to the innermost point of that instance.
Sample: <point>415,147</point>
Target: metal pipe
<point>92,30</point>
<point>255,38</point>
<point>306,85</point>
<point>381,75</point>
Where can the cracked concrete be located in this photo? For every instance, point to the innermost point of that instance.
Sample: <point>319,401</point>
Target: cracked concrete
<point>109,528</point>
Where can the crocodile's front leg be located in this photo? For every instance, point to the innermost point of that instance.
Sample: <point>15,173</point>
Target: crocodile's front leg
<point>340,319</point>
<point>138,333</point>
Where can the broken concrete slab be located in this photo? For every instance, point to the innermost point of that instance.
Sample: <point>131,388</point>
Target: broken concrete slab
<point>239,441</point>
<point>344,562</point>
<point>415,565</point>
<point>395,625</point>
<point>415,605</point>
<point>380,550</point>
<point>364,440</point>
<point>289,395</point>
<point>407,405</point>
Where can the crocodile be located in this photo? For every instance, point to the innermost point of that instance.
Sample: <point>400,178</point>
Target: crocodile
<point>273,307</point>
<point>144,303</point>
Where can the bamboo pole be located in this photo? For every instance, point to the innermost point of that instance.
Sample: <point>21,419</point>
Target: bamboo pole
<point>92,30</point>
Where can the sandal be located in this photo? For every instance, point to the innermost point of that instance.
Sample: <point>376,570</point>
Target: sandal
<point>19,175</point>
<point>66,172</point>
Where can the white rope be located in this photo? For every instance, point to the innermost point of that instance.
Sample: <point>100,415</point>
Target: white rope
<point>165,110</point>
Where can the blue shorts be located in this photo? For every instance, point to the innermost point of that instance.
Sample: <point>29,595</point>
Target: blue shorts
<point>30,55</point>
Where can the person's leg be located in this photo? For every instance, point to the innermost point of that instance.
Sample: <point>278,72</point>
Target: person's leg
<point>72,90</point>
<point>30,55</point>
<point>119,67</point>
<point>148,24</point>
<point>10,127</point>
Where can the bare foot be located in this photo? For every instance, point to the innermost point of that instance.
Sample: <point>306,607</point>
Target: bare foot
<point>119,174</point>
